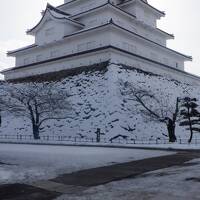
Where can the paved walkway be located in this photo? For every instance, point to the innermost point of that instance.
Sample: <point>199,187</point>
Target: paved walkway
<point>76,182</point>
<point>103,175</point>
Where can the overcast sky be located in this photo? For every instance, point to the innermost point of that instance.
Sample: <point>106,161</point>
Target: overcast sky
<point>16,16</point>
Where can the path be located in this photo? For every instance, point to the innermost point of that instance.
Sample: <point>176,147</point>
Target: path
<point>78,181</point>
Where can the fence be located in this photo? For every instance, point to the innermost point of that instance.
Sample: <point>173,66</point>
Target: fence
<point>58,139</point>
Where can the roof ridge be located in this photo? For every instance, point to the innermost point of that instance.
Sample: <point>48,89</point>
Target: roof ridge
<point>161,12</point>
<point>49,6</point>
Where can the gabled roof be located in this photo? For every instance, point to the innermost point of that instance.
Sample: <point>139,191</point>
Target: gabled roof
<point>108,4</point>
<point>55,14</point>
<point>169,36</point>
<point>145,3</point>
<point>72,1</point>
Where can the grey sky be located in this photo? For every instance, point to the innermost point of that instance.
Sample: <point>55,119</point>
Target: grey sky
<point>16,16</point>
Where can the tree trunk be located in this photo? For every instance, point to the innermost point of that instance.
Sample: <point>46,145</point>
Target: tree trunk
<point>0,120</point>
<point>190,125</point>
<point>36,132</point>
<point>191,136</point>
<point>98,138</point>
<point>191,132</point>
<point>171,130</point>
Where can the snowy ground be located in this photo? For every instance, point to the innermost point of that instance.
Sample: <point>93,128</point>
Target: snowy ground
<point>175,183</point>
<point>29,163</point>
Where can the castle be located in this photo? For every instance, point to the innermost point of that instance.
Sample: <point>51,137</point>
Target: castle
<point>83,33</point>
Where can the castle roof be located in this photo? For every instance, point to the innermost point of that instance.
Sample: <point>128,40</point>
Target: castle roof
<point>96,50</point>
<point>170,36</point>
<point>122,3</point>
<point>125,2</point>
<point>118,27</point>
<point>54,14</point>
<point>101,7</point>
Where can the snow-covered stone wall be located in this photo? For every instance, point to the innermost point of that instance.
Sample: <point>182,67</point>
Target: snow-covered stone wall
<point>97,102</point>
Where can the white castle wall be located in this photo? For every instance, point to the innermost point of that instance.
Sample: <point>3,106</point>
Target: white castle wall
<point>138,63</point>
<point>52,31</point>
<point>70,63</point>
<point>104,15</point>
<point>142,13</point>
<point>99,38</point>
<point>71,45</point>
<point>134,44</point>
<point>114,56</point>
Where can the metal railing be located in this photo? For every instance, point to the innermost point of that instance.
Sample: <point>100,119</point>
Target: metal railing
<point>60,139</point>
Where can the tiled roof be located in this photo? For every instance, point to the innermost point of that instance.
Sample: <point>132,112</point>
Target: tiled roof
<point>57,14</point>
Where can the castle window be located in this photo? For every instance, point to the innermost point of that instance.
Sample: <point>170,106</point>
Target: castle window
<point>26,61</point>
<point>38,58</point>
<point>166,61</point>
<point>176,65</point>
<point>125,46</point>
<point>91,45</point>
<point>54,53</point>
<point>93,22</point>
<point>153,56</point>
<point>129,47</point>
<point>134,29</point>
<point>120,22</point>
<point>158,41</point>
<point>133,48</point>
<point>81,47</point>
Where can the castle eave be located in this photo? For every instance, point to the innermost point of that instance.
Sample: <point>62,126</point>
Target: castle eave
<point>112,24</point>
<point>160,13</point>
<point>109,47</point>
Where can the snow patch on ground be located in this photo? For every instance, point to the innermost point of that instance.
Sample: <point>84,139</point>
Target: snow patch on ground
<point>28,163</point>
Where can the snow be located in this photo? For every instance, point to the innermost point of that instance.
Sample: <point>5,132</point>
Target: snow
<point>29,163</point>
<point>175,183</point>
<point>97,103</point>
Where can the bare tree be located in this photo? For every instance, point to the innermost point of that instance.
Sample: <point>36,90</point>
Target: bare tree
<point>38,102</point>
<point>151,107</point>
